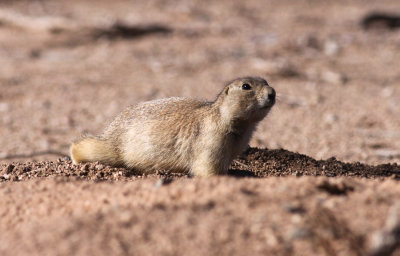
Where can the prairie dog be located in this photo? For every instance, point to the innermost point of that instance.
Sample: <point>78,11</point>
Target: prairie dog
<point>182,134</point>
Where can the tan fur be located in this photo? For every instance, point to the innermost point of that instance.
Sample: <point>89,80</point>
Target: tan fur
<point>182,134</point>
<point>93,149</point>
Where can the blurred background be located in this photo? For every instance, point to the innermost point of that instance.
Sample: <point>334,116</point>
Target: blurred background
<point>68,67</point>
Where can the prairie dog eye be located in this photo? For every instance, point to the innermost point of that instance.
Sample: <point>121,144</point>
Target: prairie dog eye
<point>246,87</point>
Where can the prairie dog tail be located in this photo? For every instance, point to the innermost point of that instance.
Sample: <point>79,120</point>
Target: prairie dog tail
<point>93,149</point>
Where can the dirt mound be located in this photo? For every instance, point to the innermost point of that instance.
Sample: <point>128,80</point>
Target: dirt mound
<point>280,162</point>
<point>253,163</point>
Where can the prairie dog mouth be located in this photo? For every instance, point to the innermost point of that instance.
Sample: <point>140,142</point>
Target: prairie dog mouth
<point>268,103</point>
<point>269,100</point>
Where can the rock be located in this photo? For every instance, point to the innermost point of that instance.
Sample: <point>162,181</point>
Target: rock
<point>331,48</point>
<point>99,167</point>
<point>387,153</point>
<point>377,20</point>
<point>278,68</point>
<point>333,77</point>
<point>4,107</point>
<point>330,118</point>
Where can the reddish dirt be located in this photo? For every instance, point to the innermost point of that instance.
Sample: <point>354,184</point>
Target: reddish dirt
<point>68,67</point>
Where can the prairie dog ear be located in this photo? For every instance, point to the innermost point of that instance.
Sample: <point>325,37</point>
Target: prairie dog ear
<point>226,90</point>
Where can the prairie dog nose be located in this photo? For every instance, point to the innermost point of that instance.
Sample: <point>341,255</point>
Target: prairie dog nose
<point>271,93</point>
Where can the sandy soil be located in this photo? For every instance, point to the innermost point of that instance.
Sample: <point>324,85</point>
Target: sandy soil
<point>68,67</point>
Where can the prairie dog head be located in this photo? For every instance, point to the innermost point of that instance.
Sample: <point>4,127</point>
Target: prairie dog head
<point>247,98</point>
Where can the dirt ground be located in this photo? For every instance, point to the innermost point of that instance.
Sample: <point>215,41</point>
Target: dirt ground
<point>321,178</point>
